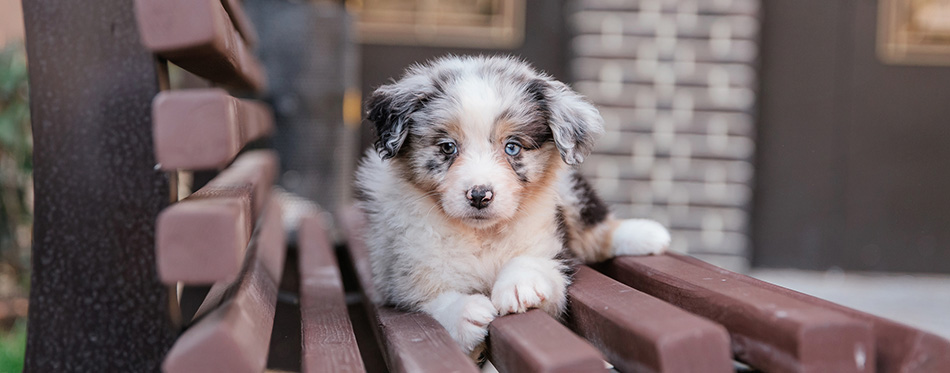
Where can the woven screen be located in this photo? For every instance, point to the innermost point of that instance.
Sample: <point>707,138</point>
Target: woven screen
<point>676,83</point>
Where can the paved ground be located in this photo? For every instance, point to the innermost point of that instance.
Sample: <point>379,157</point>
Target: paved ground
<point>922,301</point>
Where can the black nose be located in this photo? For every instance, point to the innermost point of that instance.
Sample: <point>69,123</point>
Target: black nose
<point>479,196</point>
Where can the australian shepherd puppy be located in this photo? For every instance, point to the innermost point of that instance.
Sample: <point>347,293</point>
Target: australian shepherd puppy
<point>475,208</point>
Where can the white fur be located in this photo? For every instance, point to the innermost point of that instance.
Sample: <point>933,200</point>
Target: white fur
<point>464,316</point>
<point>529,282</point>
<point>640,237</point>
<point>430,248</point>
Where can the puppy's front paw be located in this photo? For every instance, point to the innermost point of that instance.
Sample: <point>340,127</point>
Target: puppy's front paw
<point>640,237</point>
<point>465,317</point>
<point>524,284</point>
<point>476,314</point>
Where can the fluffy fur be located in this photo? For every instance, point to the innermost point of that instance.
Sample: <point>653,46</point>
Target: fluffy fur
<point>474,206</point>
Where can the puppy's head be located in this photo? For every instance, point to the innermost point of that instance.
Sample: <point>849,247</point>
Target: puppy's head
<point>479,134</point>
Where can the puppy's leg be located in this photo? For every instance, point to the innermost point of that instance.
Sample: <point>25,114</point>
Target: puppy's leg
<point>639,237</point>
<point>594,235</point>
<point>530,282</point>
<point>465,316</point>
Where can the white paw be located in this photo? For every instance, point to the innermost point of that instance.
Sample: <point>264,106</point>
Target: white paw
<point>526,283</point>
<point>464,316</point>
<point>640,237</point>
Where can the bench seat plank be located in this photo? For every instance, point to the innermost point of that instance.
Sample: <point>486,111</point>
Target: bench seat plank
<point>234,324</point>
<point>199,36</point>
<point>410,341</point>
<point>202,129</point>
<point>202,238</point>
<point>640,333</point>
<point>770,331</point>
<point>241,21</point>
<point>535,342</point>
<point>900,348</point>
<point>328,342</point>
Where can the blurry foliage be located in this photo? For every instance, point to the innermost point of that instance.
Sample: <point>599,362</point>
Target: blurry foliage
<point>12,348</point>
<point>16,170</point>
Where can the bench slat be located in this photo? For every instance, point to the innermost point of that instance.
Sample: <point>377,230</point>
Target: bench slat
<point>233,332</point>
<point>536,342</point>
<point>202,239</point>
<point>329,344</point>
<point>640,333</point>
<point>203,129</point>
<point>241,21</point>
<point>198,35</point>
<point>770,331</point>
<point>900,348</point>
<point>411,341</point>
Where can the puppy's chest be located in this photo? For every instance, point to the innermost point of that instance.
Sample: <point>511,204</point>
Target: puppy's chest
<point>483,253</point>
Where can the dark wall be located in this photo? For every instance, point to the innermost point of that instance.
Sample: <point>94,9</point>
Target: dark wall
<point>544,46</point>
<point>853,153</point>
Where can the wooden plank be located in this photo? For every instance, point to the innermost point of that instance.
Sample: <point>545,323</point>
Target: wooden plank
<point>202,239</point>
<point>411,341</point>
<point>328,342</point>
<point>202,129</point>
<point>535,342</point>
<point>770,331</point>
<point>900,348</point>
<point>233,332</point>
<point>199,36</point>
<point>96,304</point>
<point>241,21</point>
<point>640,333</point>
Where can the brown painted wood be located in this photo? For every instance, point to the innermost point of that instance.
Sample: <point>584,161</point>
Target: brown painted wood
<point>896,132</point>
<point>640,333</point>
<point>200,129</point>
<point>328,342</point>
<point>849,147</point>
<point>96,303</point>
<point>411,341</point>
<point>198,35</point>
<point>233,332</point>
<point>900,348</point>
<point>202,239</point>
<point>799,196</point>
<point>535,342</point>
<point>770,331</point>
<point>241,21</point>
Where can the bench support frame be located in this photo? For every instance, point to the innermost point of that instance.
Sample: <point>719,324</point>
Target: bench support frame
<point>96,303</point>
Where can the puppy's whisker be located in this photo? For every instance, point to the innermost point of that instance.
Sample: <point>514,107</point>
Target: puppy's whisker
<point>430,210</point>
<point>421,197</point>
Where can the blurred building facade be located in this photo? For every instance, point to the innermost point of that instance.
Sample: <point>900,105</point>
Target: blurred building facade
<point>675,82</point>
<point>808,134</point>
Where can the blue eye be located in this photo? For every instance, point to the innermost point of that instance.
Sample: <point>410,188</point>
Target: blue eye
<point>448,148</point>
<point>512,149</point>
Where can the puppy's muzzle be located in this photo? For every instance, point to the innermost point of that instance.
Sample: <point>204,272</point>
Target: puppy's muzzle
<point>480,196</point>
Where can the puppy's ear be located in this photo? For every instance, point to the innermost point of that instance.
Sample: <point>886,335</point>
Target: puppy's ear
<point>390,109</point>
<point>574,121</point>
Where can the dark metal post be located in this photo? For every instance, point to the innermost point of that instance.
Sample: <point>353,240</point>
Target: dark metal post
<point>95,302</point>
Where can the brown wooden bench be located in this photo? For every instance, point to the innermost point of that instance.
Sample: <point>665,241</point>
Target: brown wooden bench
<point>668,313</point>
<point>229,234</point>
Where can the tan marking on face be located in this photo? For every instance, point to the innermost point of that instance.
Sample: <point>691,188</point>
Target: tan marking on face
<point>543,187</point>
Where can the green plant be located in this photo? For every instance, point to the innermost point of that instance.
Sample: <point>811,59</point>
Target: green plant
<point>16,166</point>
<point>12,348</point>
